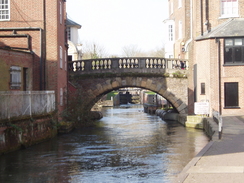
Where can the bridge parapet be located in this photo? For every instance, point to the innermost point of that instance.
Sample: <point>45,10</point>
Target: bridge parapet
<point>127,64</point>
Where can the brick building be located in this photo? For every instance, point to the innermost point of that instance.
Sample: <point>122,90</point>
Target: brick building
<point>33,46</point>
<point>213,41</point>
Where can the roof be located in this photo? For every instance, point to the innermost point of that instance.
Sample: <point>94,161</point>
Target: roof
<point>71,23</point>
<point>230,28</point>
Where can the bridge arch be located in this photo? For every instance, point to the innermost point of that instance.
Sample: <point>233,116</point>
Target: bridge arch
<point>175,92</point>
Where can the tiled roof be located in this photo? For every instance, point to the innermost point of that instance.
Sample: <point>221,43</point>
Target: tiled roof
<point>230,28</point>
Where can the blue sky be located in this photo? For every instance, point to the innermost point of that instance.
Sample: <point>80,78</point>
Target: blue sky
<point>114,24</point>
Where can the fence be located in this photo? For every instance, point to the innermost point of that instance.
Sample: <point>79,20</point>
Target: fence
<point>26,103</point>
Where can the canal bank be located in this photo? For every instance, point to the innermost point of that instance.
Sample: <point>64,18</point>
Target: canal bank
<point>220,160</point>
<point>126,145</point>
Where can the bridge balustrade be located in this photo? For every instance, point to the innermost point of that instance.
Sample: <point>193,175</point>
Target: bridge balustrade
<point>122,64</point>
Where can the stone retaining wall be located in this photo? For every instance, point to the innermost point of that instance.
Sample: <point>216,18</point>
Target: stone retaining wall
<point>209,126</point>
<point>26,132</point>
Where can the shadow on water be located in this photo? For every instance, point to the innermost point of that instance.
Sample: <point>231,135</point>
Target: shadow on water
<point>127,145</point>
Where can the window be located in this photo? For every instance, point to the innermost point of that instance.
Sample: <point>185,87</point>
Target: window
<point>61,12</point>
<point>15,77</point>
<point>61,57</point>
<point>171,33</point>
<point>179,3</point>
<point>180,29</point>
<point>229,8</point>
<point>70,58</point>
<point>61,96</point>
<point>68,33</point>
<point>202,88</point>
<point>234,51</point>
<point>231,95</point>
<point>4,10</point>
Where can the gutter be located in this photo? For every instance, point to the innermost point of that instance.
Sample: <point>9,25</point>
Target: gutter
<point>20,35</point>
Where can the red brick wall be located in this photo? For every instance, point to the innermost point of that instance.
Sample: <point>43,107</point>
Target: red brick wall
<point>206,56</point>
<point>14,58</point>
<point>30,13</point>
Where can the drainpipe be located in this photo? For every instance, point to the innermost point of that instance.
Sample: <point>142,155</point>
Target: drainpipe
<point>43,46</point>
<point>41,58</point>
<point>220,120</point>
<point>219,70</point>
<point>201,17</point>
<point>191,26</point>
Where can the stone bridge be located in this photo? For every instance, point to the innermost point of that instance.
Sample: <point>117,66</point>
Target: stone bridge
<point>96,77</point>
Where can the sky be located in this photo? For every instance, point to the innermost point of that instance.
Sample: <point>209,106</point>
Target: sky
<point>114,24</point>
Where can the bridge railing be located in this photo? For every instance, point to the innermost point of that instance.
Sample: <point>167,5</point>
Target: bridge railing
<point>135,63</point>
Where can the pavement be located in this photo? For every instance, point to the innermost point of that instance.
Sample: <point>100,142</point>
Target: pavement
<point>220,161</point>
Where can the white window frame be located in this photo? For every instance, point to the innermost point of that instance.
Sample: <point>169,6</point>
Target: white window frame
<point>171,32</point>
<point>61,12</point>
<point>15,77</point>
<point>229,9</point>
<point>5,11</point>
<point>61,57</point>
<point>179,3</point>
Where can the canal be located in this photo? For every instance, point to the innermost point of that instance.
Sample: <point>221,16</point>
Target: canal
<point>127,145</point>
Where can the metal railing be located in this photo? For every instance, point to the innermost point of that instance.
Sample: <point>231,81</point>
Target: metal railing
<point>108,64</point>
<point>26,103</point>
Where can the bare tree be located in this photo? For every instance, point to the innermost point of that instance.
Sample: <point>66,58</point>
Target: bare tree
<point>160,52</point>
<point>131,51</point>
<point>134,51</point>
<point>93,51</point>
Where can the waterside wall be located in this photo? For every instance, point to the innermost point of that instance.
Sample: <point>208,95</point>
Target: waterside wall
<point>21,133</point>
<point>207,124</point>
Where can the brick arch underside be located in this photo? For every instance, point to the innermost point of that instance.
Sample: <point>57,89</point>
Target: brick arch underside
<point>172,89</point>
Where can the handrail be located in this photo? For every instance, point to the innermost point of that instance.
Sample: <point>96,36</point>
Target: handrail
<point>123,63</point>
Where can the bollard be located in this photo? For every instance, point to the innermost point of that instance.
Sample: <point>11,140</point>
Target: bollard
<point>220,126</point>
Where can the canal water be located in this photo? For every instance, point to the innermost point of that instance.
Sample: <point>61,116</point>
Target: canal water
<point>127,145</point>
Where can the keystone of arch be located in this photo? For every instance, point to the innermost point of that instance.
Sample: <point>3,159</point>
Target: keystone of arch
<point>138,82</point>
<point>143,83</point>
<point>149,83</point>
<point>129,81</point>
<point>123,83</point>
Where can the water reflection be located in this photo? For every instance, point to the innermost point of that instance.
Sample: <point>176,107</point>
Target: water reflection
<point>126,146</point>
